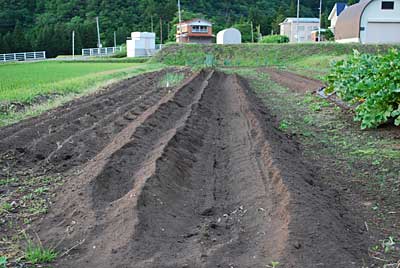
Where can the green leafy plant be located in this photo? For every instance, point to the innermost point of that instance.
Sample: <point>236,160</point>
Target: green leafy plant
<point>36,253</point>
<point>283,125</point>
<point>274,264</point>
<point>372,83</point>
<point>279,39</point>
<point>388,244</point>
<point>3,261</point>
<point>6,207</point>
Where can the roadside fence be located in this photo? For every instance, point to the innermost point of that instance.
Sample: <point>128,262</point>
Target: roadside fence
<point>23,56</point>
<point>104,51</point>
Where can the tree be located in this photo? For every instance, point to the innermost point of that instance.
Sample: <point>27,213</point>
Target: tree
<point>245,29</point>
<point>32,24</point>
<point>292,9</point>
<point>8,43</point>
<point>19,39</point>
<point>280,17</point>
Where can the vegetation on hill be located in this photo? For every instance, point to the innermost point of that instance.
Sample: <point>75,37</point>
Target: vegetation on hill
<point>256,55</point>
<point>274,39</point>
<point>47,24</point>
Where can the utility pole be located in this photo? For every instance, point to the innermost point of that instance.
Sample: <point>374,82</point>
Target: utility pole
<point>180,21</point>
<point>298,20</point>
<point>320,20</point>
<point>115,39</point>
<point>152,27</point>
<point>73,45</point>
<point>252,32</point>
<point>98,33</point>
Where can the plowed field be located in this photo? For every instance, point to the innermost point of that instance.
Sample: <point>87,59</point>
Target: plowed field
<point>192,176</point>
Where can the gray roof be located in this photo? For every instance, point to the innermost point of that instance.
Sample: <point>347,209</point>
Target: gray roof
<point>302,20</point>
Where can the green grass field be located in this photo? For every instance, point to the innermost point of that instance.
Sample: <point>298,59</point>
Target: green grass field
<point>40,86</point>
<point>24,81</point>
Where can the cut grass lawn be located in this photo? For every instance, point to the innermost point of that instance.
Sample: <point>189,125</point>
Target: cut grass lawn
<point>32,88</point>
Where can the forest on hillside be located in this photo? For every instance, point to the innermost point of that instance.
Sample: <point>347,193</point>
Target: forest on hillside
<point>34,25</point>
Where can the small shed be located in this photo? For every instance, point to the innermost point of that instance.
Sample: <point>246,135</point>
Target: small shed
<point>229,36</point>
<point>141,44</point>
<point>370,22</point>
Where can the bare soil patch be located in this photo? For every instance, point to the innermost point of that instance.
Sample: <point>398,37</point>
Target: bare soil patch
<point>294,81</point>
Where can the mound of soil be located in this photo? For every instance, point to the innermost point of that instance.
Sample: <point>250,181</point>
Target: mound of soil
<point>294,81</point>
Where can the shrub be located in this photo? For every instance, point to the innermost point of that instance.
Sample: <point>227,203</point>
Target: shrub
<point>275,39</point>
<point>372,82</point>
<point>120,54</point>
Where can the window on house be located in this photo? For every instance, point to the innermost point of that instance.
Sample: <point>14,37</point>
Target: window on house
<point>388,5</point>
<point>199,29</point>
<point>301,28</point>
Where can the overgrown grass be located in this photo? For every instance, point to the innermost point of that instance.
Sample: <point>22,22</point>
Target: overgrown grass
<point>316,66</point>
<point>255,55</point>
<point>37,254</point>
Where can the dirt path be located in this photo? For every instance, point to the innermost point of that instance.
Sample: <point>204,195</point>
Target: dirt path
<point>198,177</point>
<point>294,81</point>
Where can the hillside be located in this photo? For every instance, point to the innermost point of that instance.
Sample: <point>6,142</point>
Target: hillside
<point>47,24</point>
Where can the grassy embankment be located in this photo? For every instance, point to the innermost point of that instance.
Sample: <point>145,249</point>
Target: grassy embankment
<point>28,89</point>
<point>310,59</point>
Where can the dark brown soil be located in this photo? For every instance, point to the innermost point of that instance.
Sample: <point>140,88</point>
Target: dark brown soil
<point>196,176</point>
<point>294,81</point>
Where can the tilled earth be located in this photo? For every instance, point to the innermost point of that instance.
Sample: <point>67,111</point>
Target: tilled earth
<point>192,176</point>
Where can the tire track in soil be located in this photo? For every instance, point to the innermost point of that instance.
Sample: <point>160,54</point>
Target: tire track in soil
<point>202,179</point>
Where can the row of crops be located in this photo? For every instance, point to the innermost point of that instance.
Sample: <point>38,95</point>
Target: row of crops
<point>372,83</point>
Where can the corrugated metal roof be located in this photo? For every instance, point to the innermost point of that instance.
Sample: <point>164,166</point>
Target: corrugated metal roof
<point>348,23</point>
<point>196,20</point>
<point>302,20</point>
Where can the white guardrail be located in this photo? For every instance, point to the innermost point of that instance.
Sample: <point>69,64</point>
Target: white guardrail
<point>23,56</point>
<point>104,51</point>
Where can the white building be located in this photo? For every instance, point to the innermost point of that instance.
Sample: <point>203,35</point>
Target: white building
<point>141,44</point>
<point>229,36</point>
<point>291,27</point>
<point>337,9</point>
<point>370,22</point>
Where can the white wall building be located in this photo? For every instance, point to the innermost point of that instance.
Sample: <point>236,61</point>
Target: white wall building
<point>305,26</point>
<point>229,36</point>
<point>337,9</point>
<point>370,22</point>
<point>141,44</point>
